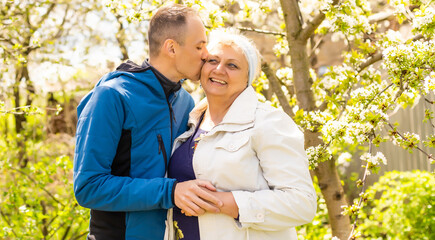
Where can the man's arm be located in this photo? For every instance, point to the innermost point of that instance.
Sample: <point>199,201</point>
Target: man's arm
<point>98,132</point>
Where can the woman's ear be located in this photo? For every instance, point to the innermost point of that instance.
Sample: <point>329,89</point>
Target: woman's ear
<point>168,47</point>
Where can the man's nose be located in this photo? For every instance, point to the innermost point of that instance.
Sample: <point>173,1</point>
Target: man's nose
<point>204,54</point>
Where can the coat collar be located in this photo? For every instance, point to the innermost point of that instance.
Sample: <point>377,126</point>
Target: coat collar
<point>240,116</point>
<point>168,86</point>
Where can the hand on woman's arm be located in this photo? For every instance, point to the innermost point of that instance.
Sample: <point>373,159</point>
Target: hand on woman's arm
<point>229,207</point>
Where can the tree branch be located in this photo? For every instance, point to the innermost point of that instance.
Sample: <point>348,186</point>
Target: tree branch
<point>34,181</point>
<point>80,236</point>
<point>314,24</point>
<point>58,228</point>
<point>378,94</point>
<point>378,56</point>
<point>60,27</point>
<point>7,222</point>
<point>7,40</point>
<point>363,189</point>
<point>293,23</point>
<point>9,52</point>
<point>120,38</point>
<point>417,37</point>
<point>381,16</point>
<point>429,118</point>
<point>245,29</point>
<point>276,88</point>
<point>375,58</point>
<point>429,156</point>
<point>45,16</point>
<point>27,19</point>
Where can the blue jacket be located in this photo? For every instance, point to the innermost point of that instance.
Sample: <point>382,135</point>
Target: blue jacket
<point>124,136</point>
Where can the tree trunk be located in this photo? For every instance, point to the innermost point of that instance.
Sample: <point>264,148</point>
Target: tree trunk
<point>120,38</point>
<point>326,172</point>
<point>332,190</point>
<point>22,73</point>
<point>19,118</point>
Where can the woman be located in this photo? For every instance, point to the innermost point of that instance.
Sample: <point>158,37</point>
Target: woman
<point>252,153</point>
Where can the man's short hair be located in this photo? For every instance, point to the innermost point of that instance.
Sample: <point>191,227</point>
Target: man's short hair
<point>168,22</point>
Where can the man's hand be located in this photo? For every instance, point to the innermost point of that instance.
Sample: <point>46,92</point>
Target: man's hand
<point>193,200</point>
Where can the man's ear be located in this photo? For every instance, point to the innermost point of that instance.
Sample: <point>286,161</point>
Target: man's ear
<point>168,47</point>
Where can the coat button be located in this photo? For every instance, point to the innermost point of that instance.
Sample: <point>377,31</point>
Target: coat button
<point>232,147</point>
<point>260,216</point>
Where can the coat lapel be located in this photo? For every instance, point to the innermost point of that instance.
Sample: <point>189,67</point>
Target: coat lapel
<point>241,114</point>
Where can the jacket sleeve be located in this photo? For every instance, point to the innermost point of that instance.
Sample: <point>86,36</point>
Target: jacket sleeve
<point>291,198</point>
<point>99,129</point>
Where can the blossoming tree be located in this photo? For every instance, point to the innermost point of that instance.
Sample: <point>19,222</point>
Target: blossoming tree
<point>349,105</point>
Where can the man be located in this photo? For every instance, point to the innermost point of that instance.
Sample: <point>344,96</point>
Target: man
<point>126,128</point>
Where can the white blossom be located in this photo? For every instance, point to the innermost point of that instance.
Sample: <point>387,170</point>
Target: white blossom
<point>281,48</point>
<point>394,36</point>
<point>333,129</point>
<point>429,83</point>
<point>411,140</point>
<point>317,154</point>
<point>23,209</point>
<point>423,17</point>
<point>325,5</point>
<point>320,117</point>
<point>308,7</point>
<point>344,159</point>
<point>400,9</point>
<point>375,160</point>
<point>286,75</point>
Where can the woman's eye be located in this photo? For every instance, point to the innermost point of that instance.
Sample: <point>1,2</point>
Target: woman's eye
<point>199,48</point>
<point>232,65</point>
<point>212,60</point>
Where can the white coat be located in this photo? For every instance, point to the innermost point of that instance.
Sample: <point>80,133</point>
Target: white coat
<point>257,153</point>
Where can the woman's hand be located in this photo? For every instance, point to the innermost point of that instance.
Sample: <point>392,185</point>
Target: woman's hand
<point>229,207</point>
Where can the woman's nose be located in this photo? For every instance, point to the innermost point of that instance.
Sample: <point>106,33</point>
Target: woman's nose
<point>219,68</point>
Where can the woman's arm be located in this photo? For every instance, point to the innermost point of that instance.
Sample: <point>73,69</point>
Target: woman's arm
<point>290,200</point>
<point>229,206</point>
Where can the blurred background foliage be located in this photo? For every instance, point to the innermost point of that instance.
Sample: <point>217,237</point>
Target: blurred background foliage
<point>357,76</point>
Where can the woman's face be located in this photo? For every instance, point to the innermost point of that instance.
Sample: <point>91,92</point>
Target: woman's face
<point>225,73</point>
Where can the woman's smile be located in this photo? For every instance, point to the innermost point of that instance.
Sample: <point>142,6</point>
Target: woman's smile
<point>217,81</point>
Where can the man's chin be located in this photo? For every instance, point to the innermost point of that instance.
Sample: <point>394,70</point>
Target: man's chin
<point>195,78</point>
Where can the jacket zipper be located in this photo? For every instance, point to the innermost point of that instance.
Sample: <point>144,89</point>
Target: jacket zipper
<point>163,150</point>
<point>171,115</point>
<point>159,137</point>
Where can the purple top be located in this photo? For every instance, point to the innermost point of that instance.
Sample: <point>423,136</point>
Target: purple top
<point>180,168</point>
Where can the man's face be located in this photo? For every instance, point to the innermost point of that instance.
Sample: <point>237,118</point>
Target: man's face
<point>191,55</point>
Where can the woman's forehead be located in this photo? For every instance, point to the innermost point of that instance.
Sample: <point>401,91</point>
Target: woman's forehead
<point>226,49</point>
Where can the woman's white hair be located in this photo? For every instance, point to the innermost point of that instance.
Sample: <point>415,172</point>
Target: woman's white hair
<point>232,37</point>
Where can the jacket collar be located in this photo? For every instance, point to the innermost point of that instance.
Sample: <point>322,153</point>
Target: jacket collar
<point>168,86</point>
<point>240,116</point>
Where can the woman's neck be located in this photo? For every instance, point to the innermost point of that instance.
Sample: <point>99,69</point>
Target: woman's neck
<point>214,114</point>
